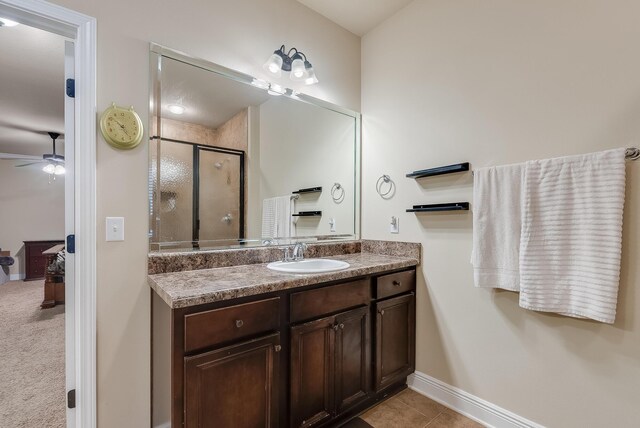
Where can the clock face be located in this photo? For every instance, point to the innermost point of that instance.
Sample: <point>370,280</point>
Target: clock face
<point>122,128</point>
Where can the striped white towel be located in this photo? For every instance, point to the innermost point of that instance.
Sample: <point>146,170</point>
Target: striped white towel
<point>269,219</point>
<point>571,241</point>
<point>276,217</point>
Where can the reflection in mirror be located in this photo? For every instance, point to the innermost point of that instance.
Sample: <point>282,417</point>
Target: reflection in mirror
<point>237,164</point>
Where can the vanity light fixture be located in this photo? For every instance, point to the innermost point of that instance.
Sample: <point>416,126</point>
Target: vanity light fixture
<point>294,62</point>
<point>176,108</point>
<point>4,22</point>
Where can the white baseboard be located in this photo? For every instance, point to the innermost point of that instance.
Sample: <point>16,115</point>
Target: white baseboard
<point>16,276</point>
<point>473,407</point>
<point>164,425</point>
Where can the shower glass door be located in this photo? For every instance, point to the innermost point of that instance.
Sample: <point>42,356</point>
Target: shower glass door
<point>197,194</point>
<point>220,195</point>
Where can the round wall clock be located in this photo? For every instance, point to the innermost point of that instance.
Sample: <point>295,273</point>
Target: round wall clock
<point>121,127</point>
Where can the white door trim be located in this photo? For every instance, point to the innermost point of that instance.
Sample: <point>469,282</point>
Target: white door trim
<point>82,29</point>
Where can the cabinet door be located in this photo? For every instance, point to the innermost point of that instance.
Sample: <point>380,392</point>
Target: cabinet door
<point>395,340</point>
<point>312,372</point>
<point>353,359</point>
<point>233,387</point>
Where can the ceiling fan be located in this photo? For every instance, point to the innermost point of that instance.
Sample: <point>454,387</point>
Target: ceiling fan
<point>54,162</point>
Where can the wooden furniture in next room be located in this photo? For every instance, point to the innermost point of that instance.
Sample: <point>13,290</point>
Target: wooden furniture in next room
<point>54,278</point>
<point>36,263</point>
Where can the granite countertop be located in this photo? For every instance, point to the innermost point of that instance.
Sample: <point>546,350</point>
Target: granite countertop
<point>197,287</point>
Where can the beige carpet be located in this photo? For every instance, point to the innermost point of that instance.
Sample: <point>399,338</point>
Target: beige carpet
<point>32,391</point>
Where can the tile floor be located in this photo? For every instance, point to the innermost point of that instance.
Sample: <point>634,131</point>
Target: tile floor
<point>408,409</point>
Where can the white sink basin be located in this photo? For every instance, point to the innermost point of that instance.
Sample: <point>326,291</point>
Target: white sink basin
<point>309,266</point>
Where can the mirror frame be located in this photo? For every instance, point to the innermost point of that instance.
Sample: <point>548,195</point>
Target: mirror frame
<point>154,112</point>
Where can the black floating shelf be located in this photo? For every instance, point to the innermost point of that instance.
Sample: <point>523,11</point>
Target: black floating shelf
<point>449,169</point>
<point>452,206</point>
<point>308,214</point>
<point>308,190</point>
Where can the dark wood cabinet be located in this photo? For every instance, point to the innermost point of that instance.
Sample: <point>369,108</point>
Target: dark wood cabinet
<point>35,262</point>
<point>311,356</point>
<point>353,358</point>
<point>330,366</point>
<point>312,372</point>
<point>233,387</point>
<point>395,340</point>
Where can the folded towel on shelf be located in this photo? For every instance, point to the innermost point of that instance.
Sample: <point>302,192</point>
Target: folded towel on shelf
<point>571,240</point>
<point>276,217</point>
<point>497,208</point>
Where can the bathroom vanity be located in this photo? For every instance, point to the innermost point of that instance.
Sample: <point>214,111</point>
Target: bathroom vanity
<point>243,171</point>
<point>243,346</point>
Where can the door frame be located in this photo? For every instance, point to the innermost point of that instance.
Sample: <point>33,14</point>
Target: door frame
<point>82,30</point>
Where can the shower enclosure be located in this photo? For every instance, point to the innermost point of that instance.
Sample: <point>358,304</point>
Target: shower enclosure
<point>197,193</point>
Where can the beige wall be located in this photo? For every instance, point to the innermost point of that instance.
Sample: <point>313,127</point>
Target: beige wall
<point>315,148</point>
<point>238,34</point>
<point>496,82</point>
<point>31,209</point>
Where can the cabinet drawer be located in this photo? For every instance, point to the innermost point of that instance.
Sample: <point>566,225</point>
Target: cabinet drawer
<point>222,325</point>
<point>395,283</point>
<point>321,301</point>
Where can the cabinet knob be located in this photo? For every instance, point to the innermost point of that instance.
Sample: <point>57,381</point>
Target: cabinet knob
<point>342,326</point>
<point>278,348</point>
<point>335,327</point>
<point>397,283</point>
<point>381,311</point>
<point>239,323</point>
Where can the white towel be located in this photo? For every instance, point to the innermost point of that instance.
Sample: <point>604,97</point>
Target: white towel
<point>497,206</point>
<point>571,240</point>
<point>276,217</point>
<point>269,225</point>
<point>283,217</point>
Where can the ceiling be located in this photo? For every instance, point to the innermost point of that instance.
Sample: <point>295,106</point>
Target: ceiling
<point>208,98</point>
<point>357,16</point>
<point>32,88</point>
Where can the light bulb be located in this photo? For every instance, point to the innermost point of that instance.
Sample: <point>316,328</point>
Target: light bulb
<point>4,22</point>
<point>176,108</point>
<point>311,77</point>
<point>297,69</point>
<point>275,89</point>
<point>49,168</point>
<point>274,64</point>
<point>259,83</point>
<point>59,170</point>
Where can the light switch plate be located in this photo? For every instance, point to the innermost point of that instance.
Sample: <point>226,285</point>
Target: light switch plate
<point>115,228</point>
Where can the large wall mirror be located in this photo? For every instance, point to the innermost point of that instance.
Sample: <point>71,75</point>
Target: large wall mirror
<point>235,162</point>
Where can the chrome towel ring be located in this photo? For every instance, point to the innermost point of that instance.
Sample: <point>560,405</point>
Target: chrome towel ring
<point>337,193</point>
<point>385,187</point>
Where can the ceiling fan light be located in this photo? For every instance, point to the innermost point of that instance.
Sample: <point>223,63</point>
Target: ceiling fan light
<point>59,170</point>
<point>274,64</point>
<point>49,168</point>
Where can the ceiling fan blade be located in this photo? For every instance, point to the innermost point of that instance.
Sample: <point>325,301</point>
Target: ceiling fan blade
<point>27,164</point>
<point>14,156</point>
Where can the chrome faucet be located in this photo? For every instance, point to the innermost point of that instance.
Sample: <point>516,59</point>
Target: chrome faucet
<point>298,251</point>
<point>287,254</point>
